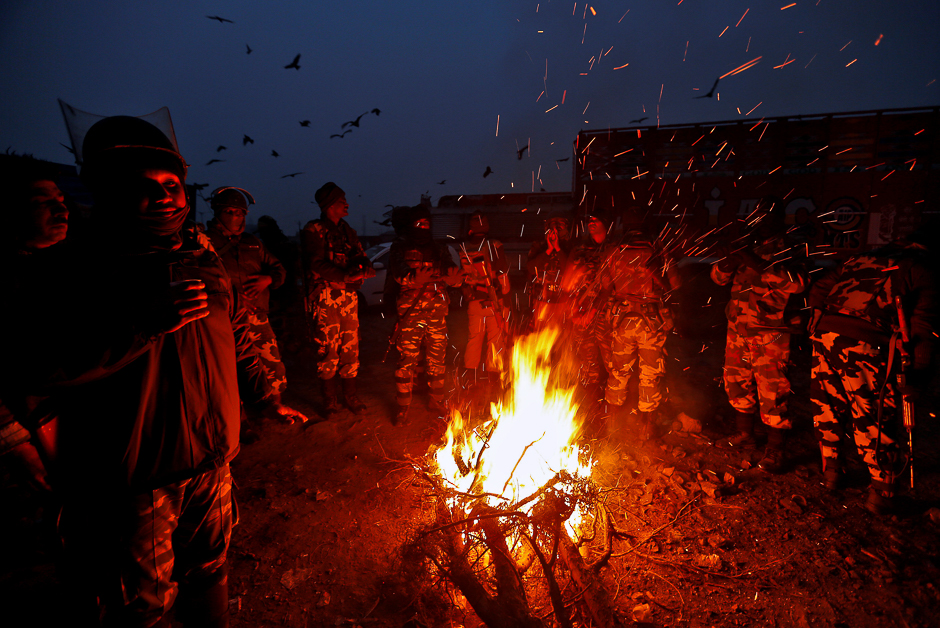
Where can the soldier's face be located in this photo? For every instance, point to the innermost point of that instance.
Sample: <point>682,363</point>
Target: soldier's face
<point>423,223</point>
<point>337,211</point>
<point>48,218</point>
<point>596,229</point>
<point>233,219</point>
<point>160,193</point>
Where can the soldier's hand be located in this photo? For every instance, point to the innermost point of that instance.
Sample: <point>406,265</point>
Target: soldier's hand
<point>367,272</point>
<point>288,414</point>
<point>453,277</point>
<point>423,276</point>
<point>254,286</point>
<point>184,302</point>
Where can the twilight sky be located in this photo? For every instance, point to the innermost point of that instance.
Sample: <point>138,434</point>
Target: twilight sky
<point>460,85</point>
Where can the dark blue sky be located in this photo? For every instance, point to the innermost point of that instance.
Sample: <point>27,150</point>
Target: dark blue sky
<point>442,74</point>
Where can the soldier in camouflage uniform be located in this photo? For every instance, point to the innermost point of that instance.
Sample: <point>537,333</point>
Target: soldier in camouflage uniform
<point>581,285</point>
<point>485,270</point>
<point>757,348</point>
<point>254,273</point>
<point>545,263</point>
<point>853,337</point>
<point>423,270</point>
<point>633,326</point>
<point>336,266</point>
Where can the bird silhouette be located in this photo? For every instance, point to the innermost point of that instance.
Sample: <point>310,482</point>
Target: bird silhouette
<point>711,92</point>
<point>199,186</point>
<point>247,49</point>
<point>214,161</point>
<point>221,148</point>
<point>376,111</point>
<point>340,135</point>
<point>488,172</point>
<point>274,153</point>
<point>522,150</point>
<point>221,20</point>
<point>442,182</point>
<point>565,159</point>
<point>638,120</point>
<point>247,140</point>
<point>293,64</point>
<point>291,175</point>
<point>305,123</point>
<point>355,122</point>
<point>68,148</point>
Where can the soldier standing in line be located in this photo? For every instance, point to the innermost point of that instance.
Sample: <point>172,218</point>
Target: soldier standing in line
<point>544,266</point>
<point>633,326</point>
<point>757,349</point>
<point>486,278</point>
<point>336,266</point>
<point>858,311</point>
<point>581,281</point>
<point>423,270</point>
<point>253,271</point>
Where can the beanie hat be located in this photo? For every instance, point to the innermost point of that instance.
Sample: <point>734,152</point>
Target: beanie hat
<point>329,194</point>
<point>126,142</point>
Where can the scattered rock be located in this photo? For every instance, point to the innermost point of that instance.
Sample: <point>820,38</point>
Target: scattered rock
<point>641,612</point>
<point>746,464</point>
<point>728,478</point>
<point>792,506</point>
<point>292,577</point>
<point>710,489</point>
<point>708,561</point>
<point>324,599</point>
<point>934,514</point>
<point>668,471</point>
<point>717,541</point>
<point>234,605</point>
<point>689,424</point>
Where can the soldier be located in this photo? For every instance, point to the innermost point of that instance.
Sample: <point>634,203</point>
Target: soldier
<point>633,327</point>
<point>336,267</point>
<point>757,348</point>
<point>854,334</point>
<point>485,270</point>
<point>254,273</point>
<point>424,270</point>
<point>581,283</point>
<point>545,263</point>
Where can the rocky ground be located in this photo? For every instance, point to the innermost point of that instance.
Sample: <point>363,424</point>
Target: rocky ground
<point>706,538</point>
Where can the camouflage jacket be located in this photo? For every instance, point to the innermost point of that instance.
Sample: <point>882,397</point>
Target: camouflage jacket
<point>857,297</point>
<point>244,257</point>
<point>483,263</point>
<point>759,298</point>
<point>545,270</point>
<point>581,279</point>
<point>635,274</point>
<point>331,251</point>
<point>402,267</point>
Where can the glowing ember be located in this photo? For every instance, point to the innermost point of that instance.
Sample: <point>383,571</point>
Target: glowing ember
<point>530,438</point>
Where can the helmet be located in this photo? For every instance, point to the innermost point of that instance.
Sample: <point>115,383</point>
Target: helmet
<point>126,142</point>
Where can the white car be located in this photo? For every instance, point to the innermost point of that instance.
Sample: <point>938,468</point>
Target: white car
<point>372,290</point>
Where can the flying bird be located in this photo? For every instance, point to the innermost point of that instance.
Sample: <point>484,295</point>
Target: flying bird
<point>68,148</point>
<point>221,20</point>
<point>247,49</point>
<point>376,111</point>
<point>340,135</point>
<point>711,92</point>
<point>291,175</point>
<point>565,159</point>
<point>214,161</point>
<point>639,120</point>
<point>442,182</point>
<point>274,153</point>
<point>293,64</point>
<point>199,186</point>
<point>488,172</point>
<point>355,122</point>
<point>305,123</point>
<point>522,150</point>
<point>221,148</point>
<point>247,140</point>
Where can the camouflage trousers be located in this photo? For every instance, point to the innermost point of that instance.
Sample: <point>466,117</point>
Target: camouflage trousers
<point>262,335</point>
<point>484,331</point>
<point>427,326</point>
<point>845,386</point>
<point>137,554</point>
<point>586,349</point>
<point>627,340</point>
<point>755,374</point>
<point>336,322</point>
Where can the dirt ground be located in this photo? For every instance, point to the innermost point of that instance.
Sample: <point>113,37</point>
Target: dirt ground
<point>707,539</point>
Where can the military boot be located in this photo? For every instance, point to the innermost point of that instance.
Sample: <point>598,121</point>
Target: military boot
<point>774,459</point>
<point>744,437</point>
<point>833,475</point>
<point>351,398</point>
<point>330,396</point>
<point>880,498</point>
<point>401,415</point>
<point>648,427</point>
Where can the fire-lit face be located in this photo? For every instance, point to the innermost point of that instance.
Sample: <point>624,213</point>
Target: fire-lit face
<point>160,193</point>
<point>596,229</point>
<point>48,219</point>
<point>232,218</point>
<point>422,223</point>
<point>338,210</point>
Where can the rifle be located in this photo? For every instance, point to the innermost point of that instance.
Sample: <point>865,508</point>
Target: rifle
<point>492,299</point>
<point>907,404</point>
